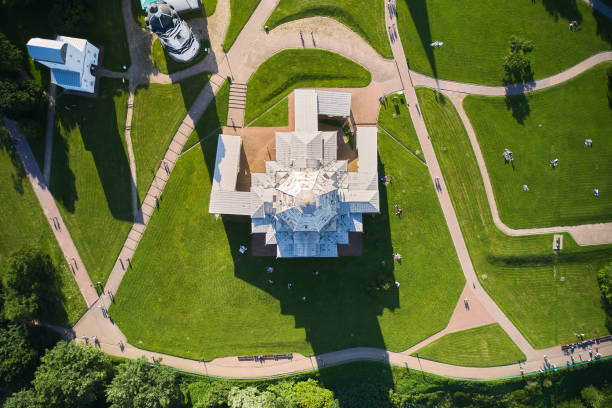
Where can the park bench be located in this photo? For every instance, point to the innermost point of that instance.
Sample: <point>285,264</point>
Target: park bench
<point>246,358</point>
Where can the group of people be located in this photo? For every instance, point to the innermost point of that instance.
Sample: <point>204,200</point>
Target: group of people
<point>387,180</point>
<point>398,210</point>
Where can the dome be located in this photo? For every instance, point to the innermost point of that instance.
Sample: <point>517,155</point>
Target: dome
<point>161,18</point>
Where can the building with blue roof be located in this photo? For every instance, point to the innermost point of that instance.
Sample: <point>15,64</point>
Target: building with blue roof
<point>71,61</point>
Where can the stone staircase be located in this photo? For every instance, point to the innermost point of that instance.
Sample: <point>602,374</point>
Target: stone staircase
<point>237,104</point>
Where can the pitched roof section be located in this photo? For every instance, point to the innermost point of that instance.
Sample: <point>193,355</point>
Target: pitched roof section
<point>306,110</point>
<point>367,146</point>
<point>65,77</point>
<point>227,163</point>
<point>47,50</point>
<point>334,103</point>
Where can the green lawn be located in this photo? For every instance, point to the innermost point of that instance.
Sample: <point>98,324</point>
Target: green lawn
<point>166,65</point>
<point>484,346</point>
<point>370,25</point>
<point>569,114</point>
<point>291,69</point>
<point>138,13</point>
<point>394,117</point>
<point>278,115</point>
<point>90,174</point>
<point>547,296</point>
<point>213,118</point>
<point>24,224</point>
<point>476,35</point>
<point>240,12</point>
<point>209,6</point>
<point>192,294</point>
<point>158,112</point>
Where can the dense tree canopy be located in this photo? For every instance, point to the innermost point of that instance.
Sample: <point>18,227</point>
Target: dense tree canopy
<point>18,98</point>
<point>10,56</point>
<point>16,356</point>
<point>140,385</point>
<point>72,375</point>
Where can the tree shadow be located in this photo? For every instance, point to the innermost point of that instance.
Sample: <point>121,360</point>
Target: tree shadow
<point>337,301</point>
<point>7,145</point>
<point>96,121</point>
<point>519,105</point>
<point>565,9</point>
<point>604,26</point>
<point>420,17</point>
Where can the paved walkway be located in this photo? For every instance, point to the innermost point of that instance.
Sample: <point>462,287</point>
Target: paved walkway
<point>130,149</point>
<point>588,234</point>
<point>49,133</point>
<point>41,189</point>
<point>461,87</point>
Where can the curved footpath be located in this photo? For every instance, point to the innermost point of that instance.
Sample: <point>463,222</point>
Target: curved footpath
<point>252,47</point>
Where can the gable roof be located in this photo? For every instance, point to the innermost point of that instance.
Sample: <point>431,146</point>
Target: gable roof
<point>334,103</point>
<point>47,50</point>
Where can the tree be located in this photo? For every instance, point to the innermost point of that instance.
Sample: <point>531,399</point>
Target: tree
<point>604,277</point>
<point>211,394</point>
<point>30,286</point>
<point>18,98</point>
<point>70,17</point>
<point>140,385</point>
<point>516,64</point>
<point>23,399</point>
<point>250,397</point>
<point>17,357</point>
<point>592,397</point>
<point>72,375</point>
<point>310,394</point>
<point>10,56</point>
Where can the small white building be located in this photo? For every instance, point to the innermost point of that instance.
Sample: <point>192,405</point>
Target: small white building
<point>175,35</point>
<point>71,61</point>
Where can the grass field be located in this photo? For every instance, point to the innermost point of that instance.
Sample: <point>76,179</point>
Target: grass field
<point>278,115</point>
<point>166,65</point>
<point>370,25</point>
<point>213,118</point>
<point>158,112</point>
<point>291,69</point>
<point>547,296</point>
<point>138,13</point>
<point>90,174</point>
<point>24,224</point>
<point>192,294</point>
<point>476,36</point>
<point>394,117</point>
<point>209,6</point>
<point>568,114</point>
<point>484,346</point>
<point>240,12</point>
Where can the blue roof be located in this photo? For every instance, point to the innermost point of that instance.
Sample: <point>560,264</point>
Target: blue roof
<point>145,3</point>
<point>47,50</point>
<point>64,77</point>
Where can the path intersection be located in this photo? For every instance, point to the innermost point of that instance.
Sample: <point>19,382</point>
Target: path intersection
<point>252,47</point>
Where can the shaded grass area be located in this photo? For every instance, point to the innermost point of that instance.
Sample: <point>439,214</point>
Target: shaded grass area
<point>240,12</point>
<point>24,225</point>
<point>370,25</point>
<point>90,174</point>
<point>158,112</point>
<point>556,123</point>
<point>394,117</point>
<point>277,116</point>
<point>217,302</point>
<point>548,296</point>
<point>138,13</point>
<point>33,129</point>
<point>305,68</point>
<point>166,65</point>
<point>484,346</point>
<point>213,118</point>
<point>476,36</point>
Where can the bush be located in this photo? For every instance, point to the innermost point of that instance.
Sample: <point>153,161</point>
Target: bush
<point>10,56</point>
<point>592,397</point>
<point>19,98</point>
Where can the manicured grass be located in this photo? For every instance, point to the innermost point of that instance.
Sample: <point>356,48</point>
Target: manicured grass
<point>395,119</point>
<point>240,12</point>
<point>484,346</point>
<point>192,294</point>
<point>105,29</point>
<point>209,6</point>
<point>158,113</point>
<point>476,36</point>
<point>291,69</point>
<point>24,224</point>
<point>547,296</point>
<point>352,13</point>
<point>277,116</point>
<point>90,174</point>
<point>166,65</point>
<point>213,118</point>
<point>568,114</point>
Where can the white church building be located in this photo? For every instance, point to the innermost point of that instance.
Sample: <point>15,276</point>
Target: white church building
<point>71,61</point>
<point>307,202</point>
